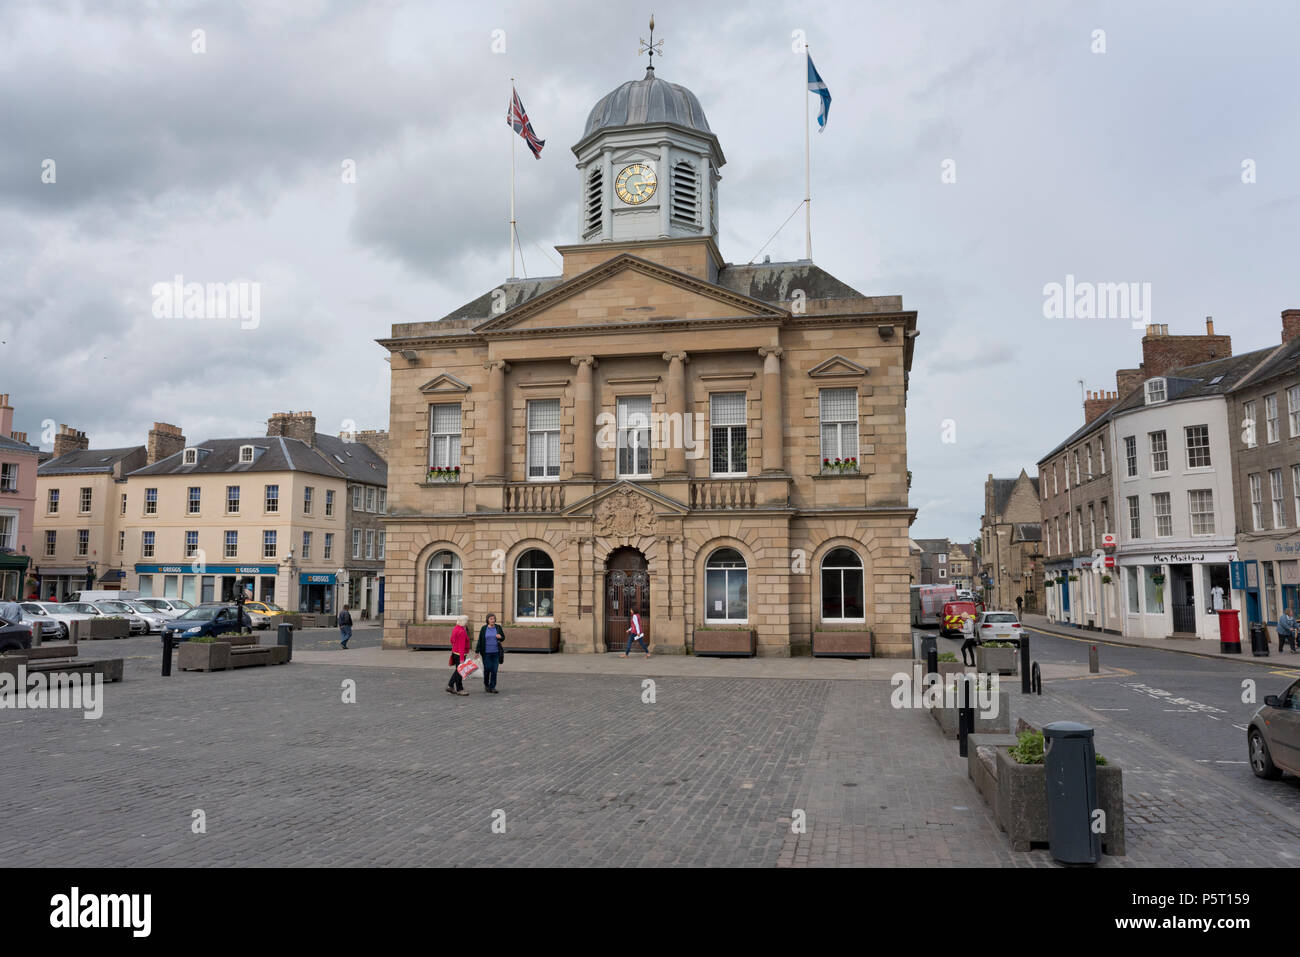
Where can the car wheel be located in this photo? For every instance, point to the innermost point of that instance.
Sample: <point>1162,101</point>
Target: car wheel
<point>1260,761</point>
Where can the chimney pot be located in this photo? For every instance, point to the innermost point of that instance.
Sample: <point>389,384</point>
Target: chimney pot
<point>1209,325</point>
<point>1290,324</point>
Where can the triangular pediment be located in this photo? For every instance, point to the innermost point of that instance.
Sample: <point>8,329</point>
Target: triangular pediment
<point>444,383</point>
<point>837,366</point>
<point>624,496</point>
<point>627,290</point>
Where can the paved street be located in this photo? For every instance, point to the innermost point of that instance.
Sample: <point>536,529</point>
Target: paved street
<point>583,771</point>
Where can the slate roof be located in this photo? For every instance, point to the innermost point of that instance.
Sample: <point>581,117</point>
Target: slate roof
<point>517,291</point>
<point>647,101</point>
<point>1283,361</point>
<point>86,461</point>
<point>279,454</point>
<point>1186,382</point>
<point>774,282</point>
<point>9,444</point>
<point>933,545</point>
<point>359,462</point>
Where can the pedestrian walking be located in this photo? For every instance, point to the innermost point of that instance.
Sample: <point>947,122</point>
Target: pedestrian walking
<point>491,646</point>
<point>968,646</point>
<point>1020,604</point>
<point>459,651</point>
<point>636,632</point>
<point>1286,631</point>
<point>239,612</point>
<point>345,626</point>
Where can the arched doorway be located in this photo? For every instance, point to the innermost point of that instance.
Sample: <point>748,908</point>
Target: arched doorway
<point>627,590</point>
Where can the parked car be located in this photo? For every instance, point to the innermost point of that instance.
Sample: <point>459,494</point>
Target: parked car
<point>204,620</point>
<point>152,616</point>
<point>998,626</point>
<point>13,635</point>
<point>263,613</point>
<point>168,607</point>
<point>951,610</point>
<point>106,594</point>
<point>60,613</point>
<point>1274,735</point>
<point>107,610</point>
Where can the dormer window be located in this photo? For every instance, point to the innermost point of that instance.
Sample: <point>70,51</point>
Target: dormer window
<point>191,457</point>
<point>1155,391</point>
<point>245,454</point>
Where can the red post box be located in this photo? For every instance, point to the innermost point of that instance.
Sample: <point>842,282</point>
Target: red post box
<point>1229,632</point>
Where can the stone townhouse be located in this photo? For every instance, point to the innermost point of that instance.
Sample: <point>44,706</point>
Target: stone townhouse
<point>934,561</point>
<point>78,535</point>
<point>1264,432</point>
<point>1164,493</point>
<point>18,464</point>
<point>654,430</point>
<point>961,565</point>
<point>1009,542</point>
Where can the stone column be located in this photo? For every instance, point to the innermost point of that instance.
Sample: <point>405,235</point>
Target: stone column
<point>677,413</point>
<point>496,437</point>
<point>584,419</point>
<point>772,409</point>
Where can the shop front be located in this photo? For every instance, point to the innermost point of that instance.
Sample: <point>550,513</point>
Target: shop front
<point>1267,579</point>
<point>13,576</point>
<point>57,582</point>
<point>1057,588</point>
<point>199,584</point>
<point>316,592</point>
<point>1175,594</point>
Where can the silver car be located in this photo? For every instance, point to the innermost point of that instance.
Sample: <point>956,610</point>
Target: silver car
<point>62,615</point>
<point>154,618</point>
<point>1274,735</point>
<point>16,613</point>
<point>118,609</point>
<point>167,607</point>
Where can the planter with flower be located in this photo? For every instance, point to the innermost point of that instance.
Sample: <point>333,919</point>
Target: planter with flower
<point>442,473</point>
<point>841,466</point>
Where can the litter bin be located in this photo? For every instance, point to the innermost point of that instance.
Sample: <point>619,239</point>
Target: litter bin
<point>284,636</point>
<point>1259,639</point>
<point>1229,632</point>
<point>928,644</point>
<point>1071,792</point>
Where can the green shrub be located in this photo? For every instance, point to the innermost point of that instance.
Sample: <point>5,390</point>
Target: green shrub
<point>999,644</point>
<point>1029,750</point>
<point>203,640</point>
<point>948,656</point>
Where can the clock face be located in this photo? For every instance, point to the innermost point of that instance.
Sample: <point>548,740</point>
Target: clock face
<point>636,184</point>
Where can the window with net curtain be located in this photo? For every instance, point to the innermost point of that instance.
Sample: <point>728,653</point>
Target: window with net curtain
<point>727,433</point>
<point>544,439</point>
<point>444,591</point>
<point>726,586</point>
<point>444,435</point>
<point>843,598</point>
<point>839,422</point>
<point>634,435</point>
<point>534,585</point>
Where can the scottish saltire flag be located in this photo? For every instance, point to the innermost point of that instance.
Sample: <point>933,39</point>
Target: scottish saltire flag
<point>517,120</point>
<point>815,85</point>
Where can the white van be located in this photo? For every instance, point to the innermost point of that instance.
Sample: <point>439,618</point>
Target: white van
<point>103,596</point>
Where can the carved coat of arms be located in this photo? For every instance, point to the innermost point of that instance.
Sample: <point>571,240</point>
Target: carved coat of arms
<point>625,514</point>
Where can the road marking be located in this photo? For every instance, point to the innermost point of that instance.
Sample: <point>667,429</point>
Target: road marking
<point>1240,728</point>
<point>1286,674</point>
<point>1110,709</point>
<point>1231,762</point>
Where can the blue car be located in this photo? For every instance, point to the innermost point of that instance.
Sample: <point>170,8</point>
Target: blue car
<point>205,620</point>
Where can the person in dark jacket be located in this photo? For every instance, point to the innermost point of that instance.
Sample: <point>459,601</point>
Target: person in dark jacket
<point>345,626</point>
<point>491,646</point>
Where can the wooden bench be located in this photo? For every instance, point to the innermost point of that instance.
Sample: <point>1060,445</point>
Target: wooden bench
<point>58,658</point>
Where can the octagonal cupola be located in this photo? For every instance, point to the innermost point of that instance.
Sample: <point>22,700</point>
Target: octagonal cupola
<point>647,165</point>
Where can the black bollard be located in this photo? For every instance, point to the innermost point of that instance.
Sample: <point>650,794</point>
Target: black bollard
<point>1093,664</point>
<point>1037,679</point>
<point>965,713</point>
<point>167,654</point>
<point>1024,663</point>
<point>932,661</point>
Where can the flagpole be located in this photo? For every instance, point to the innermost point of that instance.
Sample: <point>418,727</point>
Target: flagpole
<point>512,182</point>
<point>807,163</point>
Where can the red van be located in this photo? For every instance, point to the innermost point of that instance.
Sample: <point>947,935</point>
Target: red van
<point>951,611</point>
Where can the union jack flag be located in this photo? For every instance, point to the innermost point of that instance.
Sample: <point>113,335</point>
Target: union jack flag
<point>517,120</point>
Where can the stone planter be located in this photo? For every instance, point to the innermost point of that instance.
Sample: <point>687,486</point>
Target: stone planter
<point>722,642</point>
<point>1000,661</point>
<point>842,644</point>
<point>434,635</point>
<point>1021,808</point>
<point>204,656</point>
<point>999,724</point>
<point>540,638</point>
<point>109,628</point>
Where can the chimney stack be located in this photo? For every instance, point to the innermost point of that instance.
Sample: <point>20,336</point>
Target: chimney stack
<point>164,440</point>
<point>68,440</point>
<point>293,425</point>
<point>1097,403</point>
<point>1290,324</point>
<point>1209,325</point>
<point>6,415</point>
<point>376,441</point>
<point>1162,352</point>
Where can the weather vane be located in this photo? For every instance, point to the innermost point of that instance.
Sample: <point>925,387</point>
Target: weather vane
<point>651,46</point>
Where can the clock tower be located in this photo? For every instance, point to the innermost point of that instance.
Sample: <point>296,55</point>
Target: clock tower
<point>647,166</point>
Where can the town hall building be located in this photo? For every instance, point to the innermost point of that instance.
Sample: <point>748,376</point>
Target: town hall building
<point>721,448</point>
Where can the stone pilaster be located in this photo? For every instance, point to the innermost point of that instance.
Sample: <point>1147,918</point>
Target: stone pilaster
<point>773,410</point>
<point>497,411</point>
<point>677,412</point>
<point>584,419</point>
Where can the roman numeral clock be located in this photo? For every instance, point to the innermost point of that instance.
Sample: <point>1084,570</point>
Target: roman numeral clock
<point>636,184</point>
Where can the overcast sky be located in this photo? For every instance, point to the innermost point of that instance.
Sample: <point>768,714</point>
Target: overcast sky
<point>1116,166</point>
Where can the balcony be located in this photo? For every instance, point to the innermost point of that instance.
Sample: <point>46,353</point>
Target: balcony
<point>532,497</point>
<point>724,493</point>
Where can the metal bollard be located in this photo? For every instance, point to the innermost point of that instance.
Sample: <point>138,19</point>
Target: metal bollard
<point>965,713</point>
<point>1093,663</point>
<point>168,640</point>
<point>1024,668</point>
<point>36,633</point>
<point>1037,681</point>
<point>932,661</point>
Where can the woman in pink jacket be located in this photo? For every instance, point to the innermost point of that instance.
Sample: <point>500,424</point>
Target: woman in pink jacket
<point>459,650</point>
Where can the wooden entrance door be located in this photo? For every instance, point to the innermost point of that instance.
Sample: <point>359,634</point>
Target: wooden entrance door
<point>627,590</point>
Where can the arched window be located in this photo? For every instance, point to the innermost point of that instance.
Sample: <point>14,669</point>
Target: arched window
<point>686,194</point>
<point>444,591</point>
<point>843,598</point>
<point>534,585</point>
<point>726,587</point>
<point>595,201</point>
